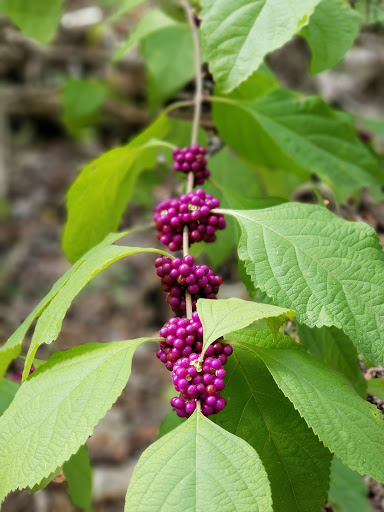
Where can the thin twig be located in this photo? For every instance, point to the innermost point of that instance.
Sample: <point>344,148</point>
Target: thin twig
<point>198,72</point>
<point>198,97</point>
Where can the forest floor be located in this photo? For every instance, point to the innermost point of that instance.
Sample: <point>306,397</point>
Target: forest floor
<point>39,161</point>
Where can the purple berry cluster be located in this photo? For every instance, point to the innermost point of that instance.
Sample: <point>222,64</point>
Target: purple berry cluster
<point>179,275</point>
<point>192,159</point>
<point>183,336</point>
<point>195,211</point>
<point>198,378</point>
<point>195,378</point>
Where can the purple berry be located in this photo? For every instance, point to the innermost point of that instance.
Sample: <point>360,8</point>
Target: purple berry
<point>219,384</point>
<point>192,159</point>
<point>190,407</point>
<point>177,402</point>
<point>193,209</point>
<point>178,275</point>
<point>193,377</point>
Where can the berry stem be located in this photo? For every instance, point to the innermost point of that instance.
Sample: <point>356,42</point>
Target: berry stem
<point>198,72</point>
<point>195,126</point>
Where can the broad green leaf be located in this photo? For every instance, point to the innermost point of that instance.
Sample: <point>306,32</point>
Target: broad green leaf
<point>38,19</point>
<point>329,270</point>
<point>49,324</point>
<point>376,388</point>
<point>11,349</point>
<point>78,473</point>
<point>347,492</point>
<point>98,197</point>
<point>302,136</point>
<point>165,75</point>
<point>237,34</point>
<point>348,425</point>
<point>81,103</point>
<point>152,21</point>
<point>296,462</point>
<point>56,409</point>
<point>202,467</point>
<point>334,348</point>
<point>331,31</point>
<point>222,316</point>
<point>8,390</point>
<point>169,423</point>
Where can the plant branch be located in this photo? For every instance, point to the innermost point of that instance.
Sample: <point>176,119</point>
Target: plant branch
<point>198,97</point>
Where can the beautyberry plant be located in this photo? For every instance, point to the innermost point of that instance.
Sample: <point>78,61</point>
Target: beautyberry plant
<point>267,415</point>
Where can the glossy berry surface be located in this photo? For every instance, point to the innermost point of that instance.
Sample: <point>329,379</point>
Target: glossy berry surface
<point>192,159</point>
<point>193,377</point>
<point>193,210</point>
<point>183,336</point>
<point>179,275</point>
<point>202,380</point>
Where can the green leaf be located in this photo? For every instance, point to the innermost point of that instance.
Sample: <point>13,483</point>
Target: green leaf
<point>237,34</point>
<point>331,31</point>
<point>165,75</point>
<point>349,426</point>
<point>152,21</point>
<point>222,316</point>
<point>98,197</point>
<point>8,390</point>
<point>38,19</point>
<point>329,270</point>
<point>296,462</point>
<point>169,423</point>
<point>302,136</point>
<point>348,492</point>
<point>78,473</point>
<point>201,466</point>
<point>376,388</point>
<point>81,102</point>
<point>11,349</point>
<point>49,324</point>
<point>335,349</point>
<point>57,408</point>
